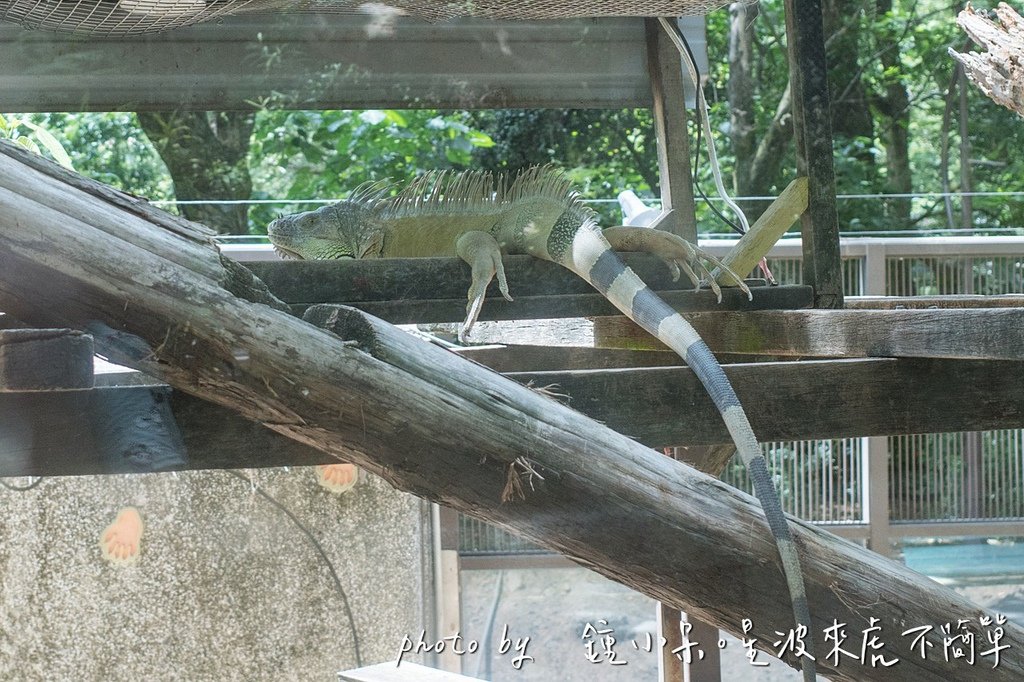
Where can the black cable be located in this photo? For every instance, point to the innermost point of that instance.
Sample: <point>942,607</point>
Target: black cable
<point>696,184</point>
<point>33,484</point>
<point>320,550</point>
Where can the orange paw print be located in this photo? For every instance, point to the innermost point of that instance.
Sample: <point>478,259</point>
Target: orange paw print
<point>120,541</point>
<point>337,477</point>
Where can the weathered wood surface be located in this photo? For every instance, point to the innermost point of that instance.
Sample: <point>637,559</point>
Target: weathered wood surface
<point>999,70</point>
<point>526,358</point>
<point>445,429</point>
<point>669,113</point>
<point>800,400</point>
<point>667,407</point>
<point>45,360</point>
<point>403,291</point>
<point>134,429</point>
<point>969,333</point>
<point>919,302</point>
<point>812,124</point>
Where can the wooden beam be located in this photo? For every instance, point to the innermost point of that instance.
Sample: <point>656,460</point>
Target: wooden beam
<point>45,360</point>
<point>921,302</point>
<point>430,290</point>
<point>812,122</point>
<point>800,400</point>
<point>669,112</point>
<point>969,333</point>
<point>359,281</point>
<point>132,430</point>
<point>817,400</point>
<point>559,358</point>
<point>435,425</point>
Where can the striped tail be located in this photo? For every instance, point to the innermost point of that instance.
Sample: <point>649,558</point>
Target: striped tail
<point>591,257</point>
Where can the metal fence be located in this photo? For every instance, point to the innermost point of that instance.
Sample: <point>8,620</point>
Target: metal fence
<point>937,484</point>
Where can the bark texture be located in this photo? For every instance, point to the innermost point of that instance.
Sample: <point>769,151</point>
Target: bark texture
<point>999,71</point>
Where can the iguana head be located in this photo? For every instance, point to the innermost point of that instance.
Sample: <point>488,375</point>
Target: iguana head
<point>346,229</point>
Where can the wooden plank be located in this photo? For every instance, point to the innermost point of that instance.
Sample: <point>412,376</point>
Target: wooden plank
<point>448,430</point>
<point>994,334</point>
<point>387,279</point>
<point>425,311</point>
<point>45,360</point>
<point>801,400</point>
<point>918,302</point>
<point>667,407</point>
<point>134,429</point>
<point>432,290</point>
<point>669,113</point>
<point>812,122</point>
<point>553,358</point>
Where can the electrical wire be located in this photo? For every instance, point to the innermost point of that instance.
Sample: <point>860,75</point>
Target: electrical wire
<point>681,44</point>
<point>319,549</point>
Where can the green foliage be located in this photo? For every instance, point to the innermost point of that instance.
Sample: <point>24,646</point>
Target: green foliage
<point>305,155</point>
<point>603,151</point>
<point>34,137</point>
<point>110,148</point>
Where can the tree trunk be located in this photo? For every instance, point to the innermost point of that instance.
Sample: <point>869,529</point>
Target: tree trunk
<point>206,153</point>
<point>158,296</point>
<point>895,103</point>
<point>740,91</point>
<point>999,71</point>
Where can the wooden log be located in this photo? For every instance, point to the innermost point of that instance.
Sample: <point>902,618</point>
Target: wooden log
<point>979,333</point>
<point>448,430</point>
<point>999,70</point>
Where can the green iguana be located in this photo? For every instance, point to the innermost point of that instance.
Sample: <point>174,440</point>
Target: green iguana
<point>480,218</point>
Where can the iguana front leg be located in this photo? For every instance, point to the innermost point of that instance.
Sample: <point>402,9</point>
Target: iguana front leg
<point>483,254</point>
<point>674,250</point>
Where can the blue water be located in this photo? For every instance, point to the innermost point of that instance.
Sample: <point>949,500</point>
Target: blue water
<point>975,564</point>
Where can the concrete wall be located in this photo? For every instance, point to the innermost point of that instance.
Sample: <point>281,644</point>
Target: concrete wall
<point>226,587</point>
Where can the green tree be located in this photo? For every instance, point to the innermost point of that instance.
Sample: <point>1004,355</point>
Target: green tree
<point>207,155</point>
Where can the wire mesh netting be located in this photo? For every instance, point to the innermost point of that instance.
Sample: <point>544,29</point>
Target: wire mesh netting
<point>129,17</point>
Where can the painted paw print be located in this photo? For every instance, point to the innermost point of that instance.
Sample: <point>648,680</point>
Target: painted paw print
<point>337,477</point>
<point>120,542</point>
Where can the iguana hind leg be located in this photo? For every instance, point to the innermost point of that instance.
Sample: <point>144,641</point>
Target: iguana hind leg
<point>483,254</point>
<point>677,253</point>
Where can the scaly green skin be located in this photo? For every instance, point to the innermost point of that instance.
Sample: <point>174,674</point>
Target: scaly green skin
<point>537,213</point>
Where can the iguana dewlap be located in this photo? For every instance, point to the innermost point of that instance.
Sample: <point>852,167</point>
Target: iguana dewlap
<point>481,218</point>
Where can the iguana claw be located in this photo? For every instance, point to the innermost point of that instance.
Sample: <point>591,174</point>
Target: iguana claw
<point>483,254</point>
<point>680,255</point>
